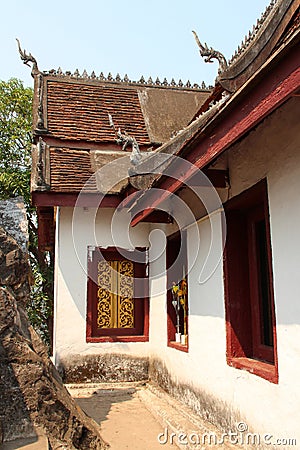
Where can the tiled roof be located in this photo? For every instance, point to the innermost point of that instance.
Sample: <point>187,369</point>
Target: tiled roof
<point>70,170</point>
<point>71,121</point>
<point>79,111</point>
<point>73,170</point>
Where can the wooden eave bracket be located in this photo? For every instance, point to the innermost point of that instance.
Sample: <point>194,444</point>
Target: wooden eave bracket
<point>219,178</point>
<point>40,172</point>
<point>158,216</point>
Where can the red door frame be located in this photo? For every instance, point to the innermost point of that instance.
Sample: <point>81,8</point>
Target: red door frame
<point>243,321</point>
<point>140,333</point>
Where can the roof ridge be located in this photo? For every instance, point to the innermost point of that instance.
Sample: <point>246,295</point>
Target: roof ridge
<point>118,79</point>
<point>253,33</point>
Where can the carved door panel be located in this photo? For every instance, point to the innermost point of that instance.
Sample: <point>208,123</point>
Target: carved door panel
<point>117,293</point>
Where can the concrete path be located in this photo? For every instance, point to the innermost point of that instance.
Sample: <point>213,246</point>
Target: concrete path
<point>143,417</point>
<point>124,419</point>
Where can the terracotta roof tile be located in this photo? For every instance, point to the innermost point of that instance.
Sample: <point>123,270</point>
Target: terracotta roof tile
<point>70,170</point>
<point>78,111</point>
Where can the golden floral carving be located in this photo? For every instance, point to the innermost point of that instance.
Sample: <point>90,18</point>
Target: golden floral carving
<point>115,295</point>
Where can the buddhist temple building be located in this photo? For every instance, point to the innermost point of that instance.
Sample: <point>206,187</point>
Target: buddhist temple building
<point>172,212</point>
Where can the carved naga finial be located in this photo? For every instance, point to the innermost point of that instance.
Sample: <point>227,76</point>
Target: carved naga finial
<point>209,54</point>
<point>125,139</point>
<point>28,59</point>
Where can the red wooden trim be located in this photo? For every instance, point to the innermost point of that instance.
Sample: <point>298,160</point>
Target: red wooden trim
<point>146,315</point>
<point>173,242</point>
<point>262,369</point>
<point>70,199</point>
<point>46,229</point>
<point>241,116</point>
<point>142,321</point>
<point>177,346</point>
<point>89,296</point>
<point>127,338</point>
<point>271,281</point>
<point>238,343</point>
<point>244,349</point>
<point>144,338</point>
<point>130,197</point>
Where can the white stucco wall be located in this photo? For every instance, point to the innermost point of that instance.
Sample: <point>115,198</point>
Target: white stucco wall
<point>205,311</point>
<point>272,152</point>
<point>75,232</point>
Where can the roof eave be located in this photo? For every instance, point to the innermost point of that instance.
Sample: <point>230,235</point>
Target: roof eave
<point>213,151</point>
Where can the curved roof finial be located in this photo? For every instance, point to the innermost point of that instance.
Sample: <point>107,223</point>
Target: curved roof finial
<point>28,59</point>
<point>209,54</point>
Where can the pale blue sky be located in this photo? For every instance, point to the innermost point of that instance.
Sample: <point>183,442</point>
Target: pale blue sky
<point>152,38</point>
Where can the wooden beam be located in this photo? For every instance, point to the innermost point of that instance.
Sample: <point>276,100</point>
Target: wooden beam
<point>158,216</point>
<point>217,177</point>
<point>70,199</point>
<point>46,229</point>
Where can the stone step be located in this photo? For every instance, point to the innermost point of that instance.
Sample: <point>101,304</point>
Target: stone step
<point>35,443</point>
<point>182,427</point>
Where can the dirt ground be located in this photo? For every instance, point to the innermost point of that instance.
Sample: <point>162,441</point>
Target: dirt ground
<point>124,420</point>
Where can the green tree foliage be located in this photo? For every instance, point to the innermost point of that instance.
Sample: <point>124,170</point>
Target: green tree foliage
<point>15,166</point>
<point>15,138</point>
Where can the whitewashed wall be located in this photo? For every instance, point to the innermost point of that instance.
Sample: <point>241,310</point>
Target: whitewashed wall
<point>272,152</point>
<point>74,234</point>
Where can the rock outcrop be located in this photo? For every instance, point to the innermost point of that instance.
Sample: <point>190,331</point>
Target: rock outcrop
<point>32,395</point>
<point>14,220</point>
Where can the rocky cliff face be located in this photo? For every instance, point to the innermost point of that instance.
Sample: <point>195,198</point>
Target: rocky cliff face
<point>14,220</point>
<point>32,395</point>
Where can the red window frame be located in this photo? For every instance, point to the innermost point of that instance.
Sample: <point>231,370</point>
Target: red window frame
<point>140,333</point>
<point>174,243</point>
<point>261,350</point>
<point>249,297</point>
